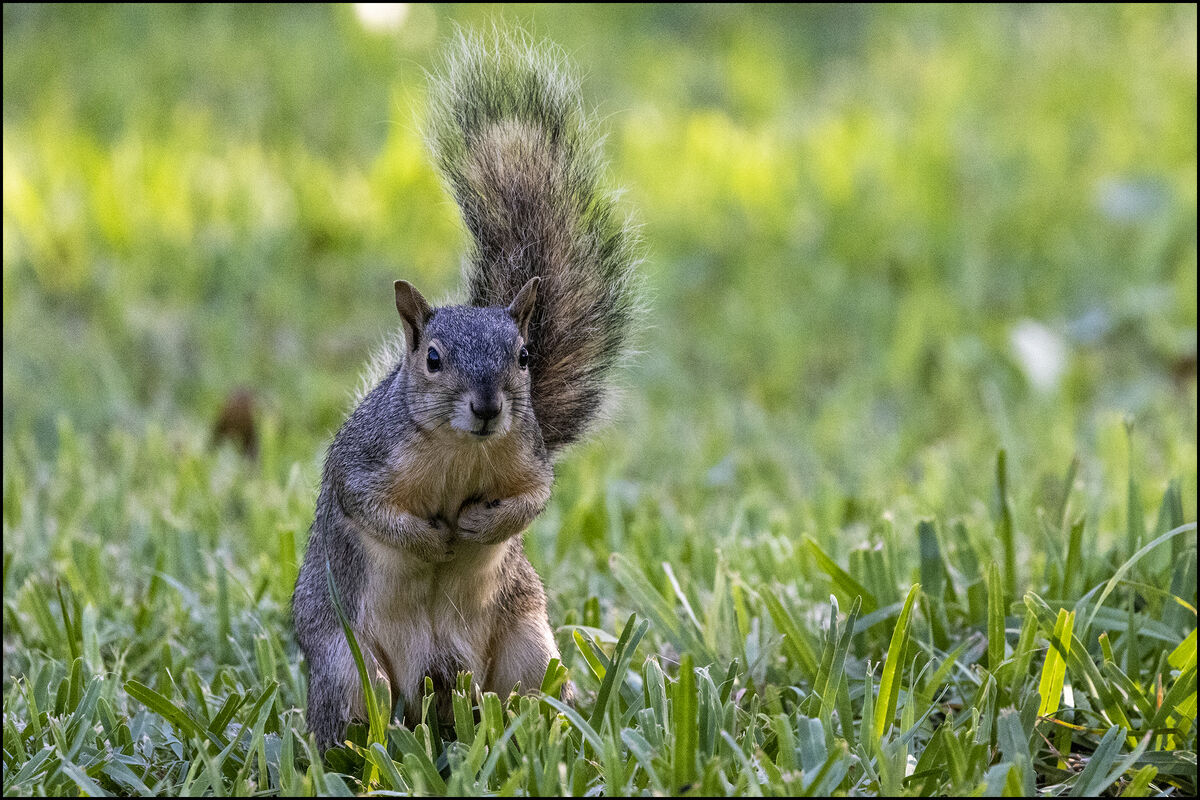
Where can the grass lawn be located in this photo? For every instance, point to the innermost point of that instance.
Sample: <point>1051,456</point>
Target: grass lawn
<point>901,495</point>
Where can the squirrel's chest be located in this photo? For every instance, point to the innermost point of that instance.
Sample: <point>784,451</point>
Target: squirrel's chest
<point>436,479</point>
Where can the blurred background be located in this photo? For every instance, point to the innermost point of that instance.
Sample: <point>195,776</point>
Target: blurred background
<point>883,242</point>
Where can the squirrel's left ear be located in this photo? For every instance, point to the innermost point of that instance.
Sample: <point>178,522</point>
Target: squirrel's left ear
<point>521,308</point>
<point>414,310</point>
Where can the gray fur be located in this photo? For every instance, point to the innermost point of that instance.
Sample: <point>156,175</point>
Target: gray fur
<point>429,483</point>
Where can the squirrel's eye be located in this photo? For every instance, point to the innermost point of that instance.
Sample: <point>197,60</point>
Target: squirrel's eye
<point>433,361</point>
<point>523,358</point>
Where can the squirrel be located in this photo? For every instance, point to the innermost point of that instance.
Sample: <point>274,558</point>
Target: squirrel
<point>430,482</point>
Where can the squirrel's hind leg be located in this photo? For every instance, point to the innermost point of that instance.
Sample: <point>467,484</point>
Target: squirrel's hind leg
<point>520,656</point>
<point>334,696</point>
<point>522,642</point>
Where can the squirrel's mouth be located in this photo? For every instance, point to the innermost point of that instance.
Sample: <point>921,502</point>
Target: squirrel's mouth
<point>466,421</point>
<point>488,428</point>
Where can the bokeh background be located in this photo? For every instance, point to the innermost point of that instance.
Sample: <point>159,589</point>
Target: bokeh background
<point>883,243</point>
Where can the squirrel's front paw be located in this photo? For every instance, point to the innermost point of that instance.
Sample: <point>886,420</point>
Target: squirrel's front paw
<point>486,521</point>
<point>437,546</point>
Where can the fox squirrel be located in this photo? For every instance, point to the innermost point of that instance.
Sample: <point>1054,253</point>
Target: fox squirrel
<point>446,461</point>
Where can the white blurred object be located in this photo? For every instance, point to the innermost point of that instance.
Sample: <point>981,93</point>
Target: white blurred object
<point>1041,353</point>
<point>381,17</point>
<point>1130,199</point>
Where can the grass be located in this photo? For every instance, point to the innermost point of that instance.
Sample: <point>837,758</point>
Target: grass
<point>843,535</point>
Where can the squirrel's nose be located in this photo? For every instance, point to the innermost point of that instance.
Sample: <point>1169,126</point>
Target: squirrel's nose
<point>486,410</point>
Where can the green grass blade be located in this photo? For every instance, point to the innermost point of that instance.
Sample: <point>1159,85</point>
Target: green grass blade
<point>827,690</point>
<point>580,724</point>
<point>376,717</point>
<point>1139,786</point>
<point>497,746</point>
<point>842,580</point>
<point>1081,665</point>
<point>461,702</point>
<point>183,721</point>
<point>1091,781</point>
<point>1074,558</point>
<point>893,668</point>
<point>1141,702</point>
<point>387,768</point>
<point>652,604</point>
<point>795,642</point>
<point>555,676</point>
<point>1180,699</point>
<point>593,656</point>
<point>1060,516</point>
<point>1184,655</point>
<point>1013,739</point>
<point>68,623</point>
<point>418,765</point>
<point>996,608</point>
<point>1004,525</point>
<point>83,780</point>
<point>1054,669</point>
<point>683,718</point>
<point>1124,568</point>
<point>645,756</point>
<point>232,703</point>
<point>933,568</point>
<point>631,635</point>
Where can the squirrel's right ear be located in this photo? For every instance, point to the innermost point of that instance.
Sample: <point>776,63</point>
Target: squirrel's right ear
<point>521,308</point>
<point>414,311</point>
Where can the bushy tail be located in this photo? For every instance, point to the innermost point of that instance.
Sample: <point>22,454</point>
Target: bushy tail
<point>509,133</point>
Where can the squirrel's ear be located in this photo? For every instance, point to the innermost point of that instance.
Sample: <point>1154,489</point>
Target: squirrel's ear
<point>414,310</point>
<point>521,308</point>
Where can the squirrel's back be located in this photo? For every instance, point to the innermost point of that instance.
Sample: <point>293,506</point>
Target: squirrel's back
<point>521,156</point>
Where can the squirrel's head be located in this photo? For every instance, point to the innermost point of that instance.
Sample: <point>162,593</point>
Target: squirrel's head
<point>467,368</point>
